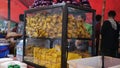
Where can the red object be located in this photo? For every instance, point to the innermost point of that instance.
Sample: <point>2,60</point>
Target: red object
<point>110,5</point>
<point>78,1</point>
<point>55,1</point>
<point>19,6</point>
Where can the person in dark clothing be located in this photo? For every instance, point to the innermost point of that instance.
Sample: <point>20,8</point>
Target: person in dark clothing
<point>110,33</point>
<point>119,43</point>
<point>15,28</point>
<point>97,32</point>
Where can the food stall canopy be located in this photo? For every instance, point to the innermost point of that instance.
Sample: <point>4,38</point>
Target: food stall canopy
<point>110,5</point>
<point>19,6</point>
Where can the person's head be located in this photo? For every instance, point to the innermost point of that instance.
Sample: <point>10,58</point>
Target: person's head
<point>112,13</point>
<point>21,17</point>
<point>82,17</point>
<point>98,18</point>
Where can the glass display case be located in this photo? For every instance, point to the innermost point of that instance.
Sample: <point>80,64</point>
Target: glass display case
<point>55,34</point>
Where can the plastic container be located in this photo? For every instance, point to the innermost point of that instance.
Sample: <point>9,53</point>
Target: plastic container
<point>118,66</point>
<point>19,51</point>
<point>2,36</point>
<point>95,62</point>
<point>4,48</point>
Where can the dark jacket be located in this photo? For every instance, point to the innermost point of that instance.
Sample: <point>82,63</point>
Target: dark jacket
<point>110,36</point>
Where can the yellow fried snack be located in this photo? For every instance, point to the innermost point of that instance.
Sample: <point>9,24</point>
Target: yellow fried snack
<point>42,25</point>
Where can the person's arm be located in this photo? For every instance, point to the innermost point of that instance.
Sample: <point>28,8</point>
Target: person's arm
<point>13,35</point>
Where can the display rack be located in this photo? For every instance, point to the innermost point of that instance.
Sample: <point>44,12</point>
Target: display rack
<point>64,11</point>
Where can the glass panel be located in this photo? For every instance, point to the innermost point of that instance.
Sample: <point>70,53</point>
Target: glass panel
<point>42,28</point>
<point>45,24</point>
<point>44,31</point>
<point>79,23</point>
<point>79,33</point>
<point>80,48</point>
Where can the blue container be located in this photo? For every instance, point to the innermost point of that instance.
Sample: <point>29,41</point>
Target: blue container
<point>2,36</point>
<point>4,50</point>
